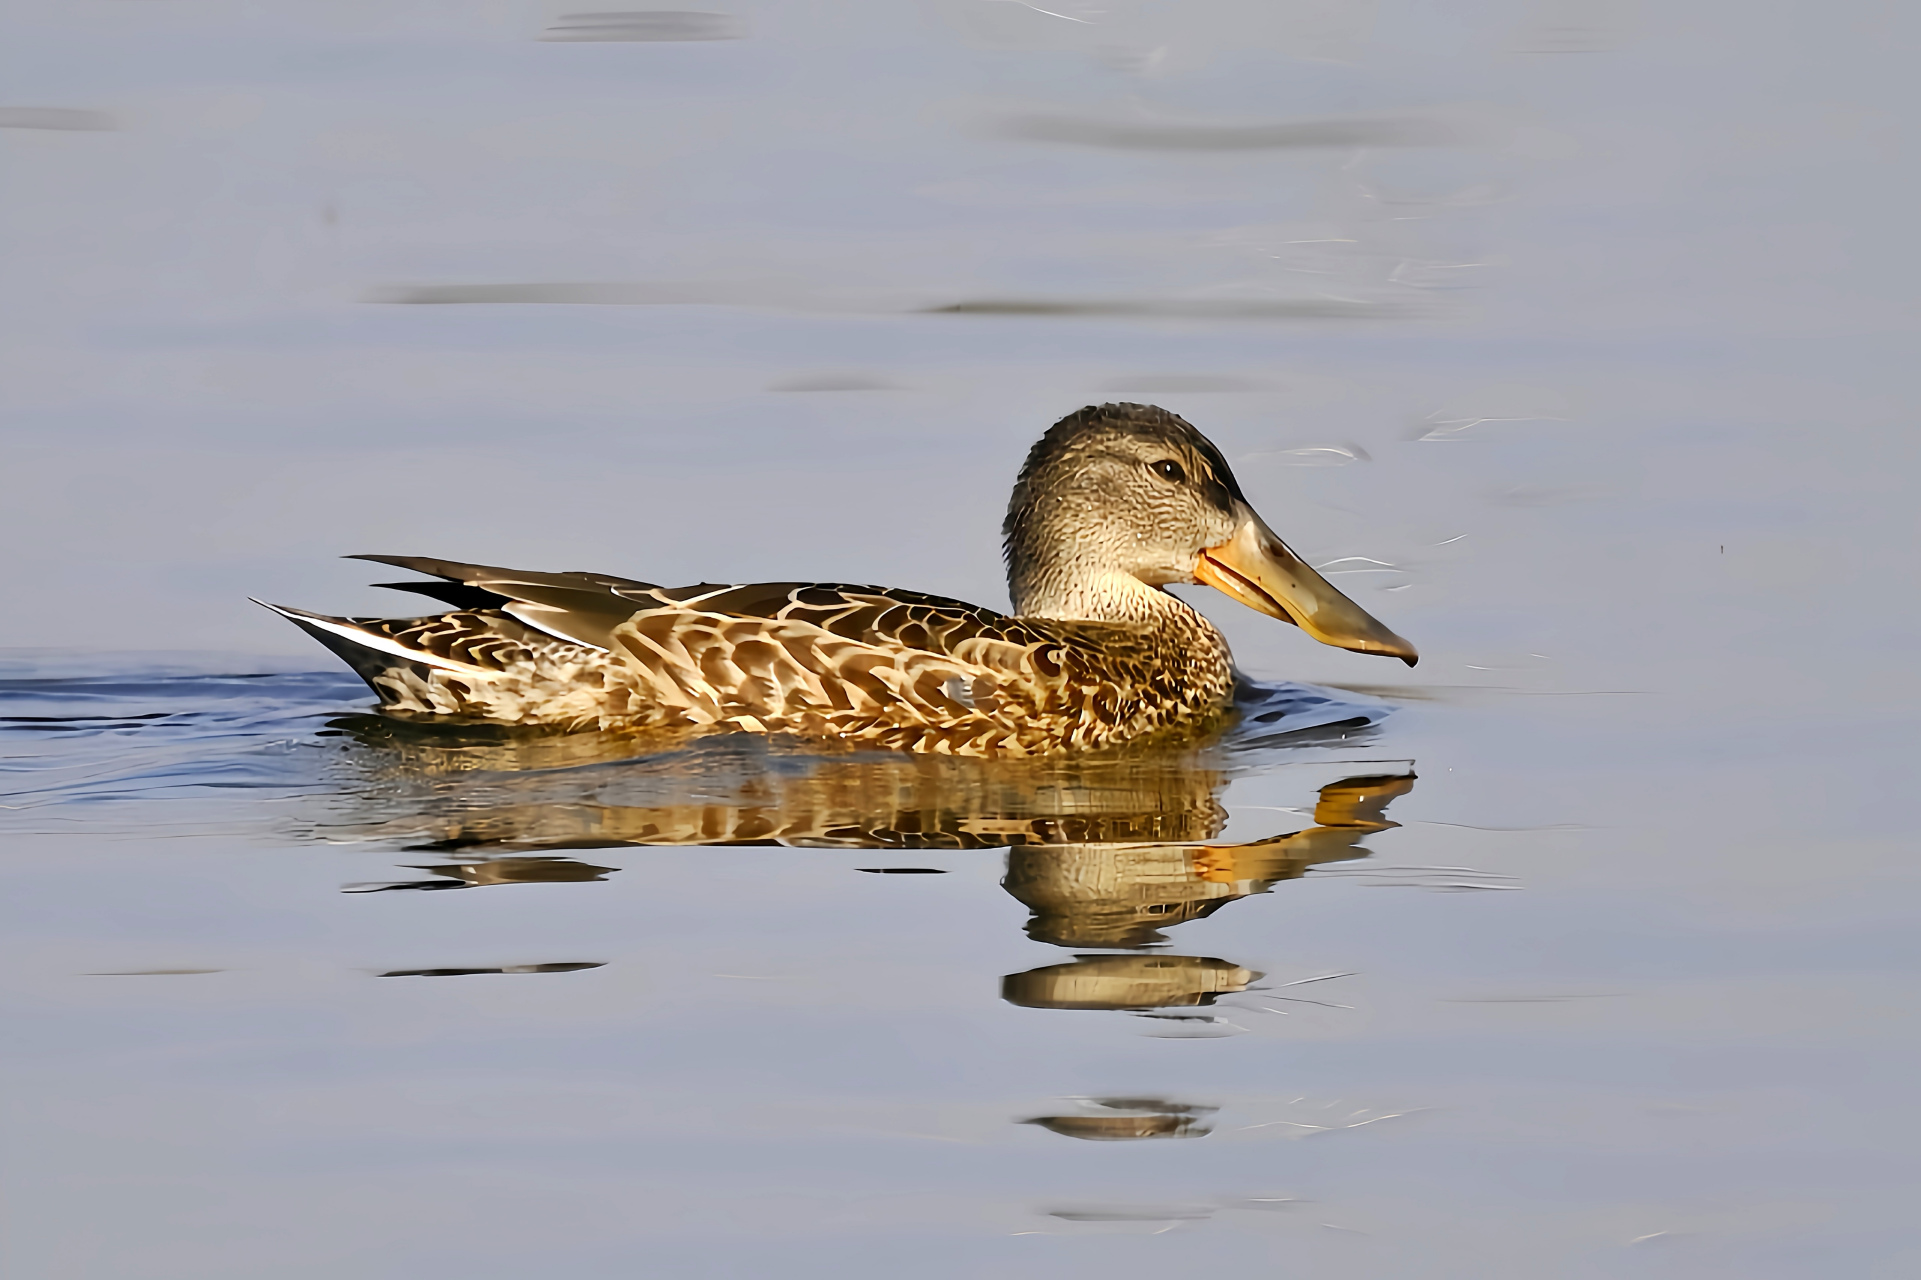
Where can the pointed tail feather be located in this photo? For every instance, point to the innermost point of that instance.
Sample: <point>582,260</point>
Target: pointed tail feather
<point>367,651</point>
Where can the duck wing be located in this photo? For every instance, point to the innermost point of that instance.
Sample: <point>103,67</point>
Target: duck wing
<point>888,616</point>
<point>581,607</point>
<point>896,667</point>
<point>914,626</point>
<point>586,607</point>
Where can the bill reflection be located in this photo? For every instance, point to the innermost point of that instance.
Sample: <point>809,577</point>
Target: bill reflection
<point>1123,895</point>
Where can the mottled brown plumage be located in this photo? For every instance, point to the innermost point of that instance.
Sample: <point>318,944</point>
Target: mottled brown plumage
<point>1112,505</point>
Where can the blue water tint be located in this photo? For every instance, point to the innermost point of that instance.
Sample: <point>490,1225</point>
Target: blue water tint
<point>663,1002</point>
<point>1572,339</point>
<point>1283,713</point>
<point>99,743</point>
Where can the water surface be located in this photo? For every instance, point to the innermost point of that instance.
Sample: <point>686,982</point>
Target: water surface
<point>1570,338</point>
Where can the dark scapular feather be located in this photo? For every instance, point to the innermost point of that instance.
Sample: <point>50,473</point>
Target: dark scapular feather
<point>457,594</point>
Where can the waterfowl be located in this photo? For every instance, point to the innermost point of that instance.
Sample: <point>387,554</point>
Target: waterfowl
<point>1114,503</point>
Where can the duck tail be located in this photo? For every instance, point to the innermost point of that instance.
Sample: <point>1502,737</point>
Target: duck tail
<point>366,645</point>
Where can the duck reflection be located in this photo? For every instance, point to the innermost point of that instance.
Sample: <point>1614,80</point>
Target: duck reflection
<point>1106,850</point>
<point>491,795</point>
<point>483,795</point>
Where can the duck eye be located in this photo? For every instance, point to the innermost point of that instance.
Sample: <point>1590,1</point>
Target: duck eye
<point>1168,469</point>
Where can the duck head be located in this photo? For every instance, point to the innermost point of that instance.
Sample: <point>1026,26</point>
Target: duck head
<point>1119,500</point>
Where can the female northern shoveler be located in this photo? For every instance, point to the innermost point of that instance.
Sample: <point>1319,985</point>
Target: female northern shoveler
<point>1114,503</point>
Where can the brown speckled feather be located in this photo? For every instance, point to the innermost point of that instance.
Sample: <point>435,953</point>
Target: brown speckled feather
<point>895,668</point>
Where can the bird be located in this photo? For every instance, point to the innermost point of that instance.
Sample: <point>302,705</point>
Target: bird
<point>1113,504</point>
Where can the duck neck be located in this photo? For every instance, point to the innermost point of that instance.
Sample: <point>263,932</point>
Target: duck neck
<point>1113,596</point>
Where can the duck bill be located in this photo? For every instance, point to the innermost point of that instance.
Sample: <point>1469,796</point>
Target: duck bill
<point>1256,568</point>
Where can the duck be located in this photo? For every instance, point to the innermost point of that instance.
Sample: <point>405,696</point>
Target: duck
<point>1114,504</point>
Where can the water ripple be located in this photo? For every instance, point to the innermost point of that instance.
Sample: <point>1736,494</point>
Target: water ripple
<point>97,751</point>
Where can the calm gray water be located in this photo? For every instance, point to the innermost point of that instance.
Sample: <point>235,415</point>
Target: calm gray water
<point>1572,338</point>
